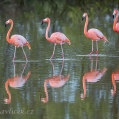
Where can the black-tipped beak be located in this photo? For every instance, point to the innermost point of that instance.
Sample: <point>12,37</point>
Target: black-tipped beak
<point>5,24</point>
<point>41,22</point>
<point>113,16</point>
<point>82,18</point>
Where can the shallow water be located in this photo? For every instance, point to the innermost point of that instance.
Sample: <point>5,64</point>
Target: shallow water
<point>72,97</point>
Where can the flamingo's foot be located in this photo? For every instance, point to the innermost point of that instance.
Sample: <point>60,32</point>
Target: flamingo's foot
<point>90,57</point>
<point>97,52</point>
<point>52,56</point>
<point>63,56</point>
<point>13,59</point>
<point>91,52</point>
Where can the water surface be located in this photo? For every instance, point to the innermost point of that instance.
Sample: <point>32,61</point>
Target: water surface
<point>36,97</point>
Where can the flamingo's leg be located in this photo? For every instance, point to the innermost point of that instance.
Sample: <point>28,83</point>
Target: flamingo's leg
<point>92,48</point>
<point>24,54</point>
<point>53,52</point>
<point>62,52</point>
<point>97,47</point>
<point>52,67</point>
<point>14,54</point>
<point>62,67</point>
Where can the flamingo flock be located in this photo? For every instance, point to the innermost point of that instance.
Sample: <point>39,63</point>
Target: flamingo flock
<point>59,38</point>
<point>57,81</point>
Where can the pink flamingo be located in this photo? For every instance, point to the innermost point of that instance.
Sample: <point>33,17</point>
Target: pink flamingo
<point>94,75</point>
<point>115,24</point>
<point>16,40</point>
<point>15,82</point>
<point>115,79</point>
<point>55,81</point>
<point>56,38</point>
<point>93,34</point>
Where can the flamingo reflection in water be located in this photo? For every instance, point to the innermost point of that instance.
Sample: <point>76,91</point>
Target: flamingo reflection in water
<point>115,79</point>
<point>94,75</point>
<point>15,82</point>
<point>55,81</point>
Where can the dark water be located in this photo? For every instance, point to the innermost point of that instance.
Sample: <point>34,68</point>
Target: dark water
<point>59,89</point>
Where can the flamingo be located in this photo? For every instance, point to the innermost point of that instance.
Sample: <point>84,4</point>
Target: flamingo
<point>115,24</point>
<point>94,75</point>
<point>16,40</point>
<point>93,34</point>
<point>56,38</point>
<point>115,79</point>
<point>15,82</point>
<point>55,81</point>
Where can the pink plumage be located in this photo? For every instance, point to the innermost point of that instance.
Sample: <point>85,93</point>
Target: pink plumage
<point>93,34</point>
<point>56,38</point>
<point>115,24</point>
<point>16,40</point>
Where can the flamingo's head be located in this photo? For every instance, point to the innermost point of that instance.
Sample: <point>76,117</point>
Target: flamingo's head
<point>44,100</point>
<point>114,13</point>
<point>45,20</point>
<point>8,22</point>
<point>84,15</point>
<point>7,101</point>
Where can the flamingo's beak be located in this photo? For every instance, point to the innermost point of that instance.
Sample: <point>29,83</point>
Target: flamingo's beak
<point>42,22</point>
<point>82,18</point>
<point>113,16</point>
<point>5,24</point>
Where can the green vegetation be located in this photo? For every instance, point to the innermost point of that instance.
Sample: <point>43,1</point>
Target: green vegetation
<point>55,7</point>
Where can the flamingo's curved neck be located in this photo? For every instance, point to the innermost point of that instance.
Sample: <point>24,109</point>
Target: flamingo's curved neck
<point>84,86</point>
<point>8,33</point>
<point>45,89</point>
<point>46,34</point>
<point>86,25</point>
<point>115,21</point>
<point>7,89</point>
<point>113,82</point>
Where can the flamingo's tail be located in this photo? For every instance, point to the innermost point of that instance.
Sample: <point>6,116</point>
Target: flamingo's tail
<point>67,77</point>
<point>68,41</point>
<point>28,45</point>
<point>27,76</point>
<point>105,39</point>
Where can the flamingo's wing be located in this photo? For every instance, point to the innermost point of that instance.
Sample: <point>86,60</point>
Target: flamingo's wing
<point>93,76</point>
<point>18,40</point>
<point>56,81</point>
<point>97,32</point>
<point>59,36</point>
<point>17,82</point>
<point>117,27</point>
